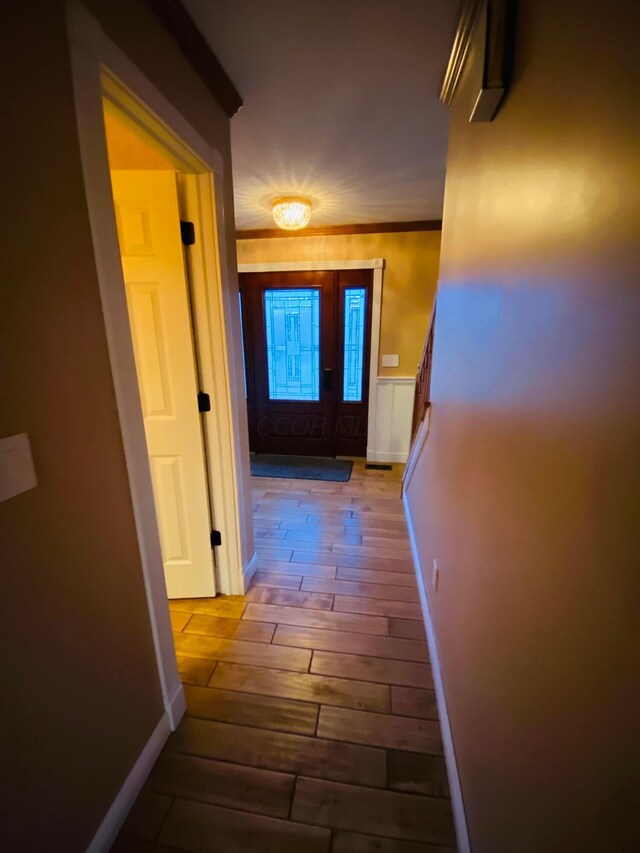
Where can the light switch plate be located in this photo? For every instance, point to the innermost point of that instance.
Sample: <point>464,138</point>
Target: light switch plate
<point>390,360</point>
<point>17,473</point>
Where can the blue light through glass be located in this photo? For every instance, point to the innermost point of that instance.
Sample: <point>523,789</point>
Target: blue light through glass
<point>292,320</point>
<point>355,302</point>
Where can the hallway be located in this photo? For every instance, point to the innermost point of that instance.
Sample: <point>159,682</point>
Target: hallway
<point>311,723</point>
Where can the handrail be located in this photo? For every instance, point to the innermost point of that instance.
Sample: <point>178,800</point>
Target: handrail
<point>422,396</point>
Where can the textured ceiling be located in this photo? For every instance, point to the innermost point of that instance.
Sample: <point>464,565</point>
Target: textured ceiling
<point>340,104</point>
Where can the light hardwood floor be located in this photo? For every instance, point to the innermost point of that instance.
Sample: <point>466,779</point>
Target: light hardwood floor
<point>312,722</point>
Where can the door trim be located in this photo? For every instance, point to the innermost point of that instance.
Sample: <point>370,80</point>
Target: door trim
<point>377,265</point>
<point>101,70</point>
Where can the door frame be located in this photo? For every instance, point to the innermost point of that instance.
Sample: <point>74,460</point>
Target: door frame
<point>375,264</point>
<point>100,70</point>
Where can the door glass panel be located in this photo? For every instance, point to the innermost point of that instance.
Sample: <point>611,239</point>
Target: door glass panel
<point>292,320</point>
<point>355,302</point>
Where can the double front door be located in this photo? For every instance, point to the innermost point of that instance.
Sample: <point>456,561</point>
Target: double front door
<point>307,338</point>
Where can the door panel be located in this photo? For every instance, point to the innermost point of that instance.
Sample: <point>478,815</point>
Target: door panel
<point>300,358</point>
<point>288,346</point>
<point>354,344</point>
<point>148,222</point>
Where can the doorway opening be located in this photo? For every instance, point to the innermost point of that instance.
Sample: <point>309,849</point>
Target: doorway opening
<point>156,241</point>
<point>106,81</point>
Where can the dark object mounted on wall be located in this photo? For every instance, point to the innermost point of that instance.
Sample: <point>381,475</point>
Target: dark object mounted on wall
<point>489,23</point>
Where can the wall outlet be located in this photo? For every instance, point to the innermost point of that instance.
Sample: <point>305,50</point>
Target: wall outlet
<point>435,575</point>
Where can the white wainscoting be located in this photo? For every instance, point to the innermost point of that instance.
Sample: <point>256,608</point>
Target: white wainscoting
<point>391,435</point>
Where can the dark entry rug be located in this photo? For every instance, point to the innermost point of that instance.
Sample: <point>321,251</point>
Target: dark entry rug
<point>301,467</point>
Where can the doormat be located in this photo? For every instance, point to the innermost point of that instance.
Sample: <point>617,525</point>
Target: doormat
<point>301,467</point>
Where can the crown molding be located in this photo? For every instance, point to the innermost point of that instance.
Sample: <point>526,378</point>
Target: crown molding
<point>183,30</point>
<point>335,230</point>
<point>460,48</point>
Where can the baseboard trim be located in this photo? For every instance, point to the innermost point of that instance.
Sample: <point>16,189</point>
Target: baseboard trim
<point>249,571</point>
<point>383,456</point>
<point>120,807</point>
<point>416,448</point>
<point>459,817</point>
<point>175,705</point>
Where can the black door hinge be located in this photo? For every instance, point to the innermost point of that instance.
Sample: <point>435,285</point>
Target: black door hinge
<point>216,538</point>
<point>187,232</point>
<point>204,402</point>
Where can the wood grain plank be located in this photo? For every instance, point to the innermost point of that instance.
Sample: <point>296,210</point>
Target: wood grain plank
<point>301,555</point>
<point>418,774</point>
<point>386,813</point>
<point>385,730</point>
<point>343,692</point>
<point>364,551</point>
<point>374,527</point>
<point>317,619</point>
<point>379,607</point>
<point>263,712</point>
<point>376,576</point>
<point>298,754</point>
<point>279,581</point>
<point>146,816</point>
<point>322,536</point>
<point>331,516</point>
<point>268,533</point>
<point>195,670</point>
<point>217,626</point>
<point>308,569</point>
<point>222,605</point>
<point>203,828</point>
<point>179,620</point>
<point>137,845</point>
<point>377,670</point>
<point>353,842</point>
<point>263,550</point>
<point>241,651</point>
<point>410,629</point>
<point>370,541</point>
<point>288,597</point>
<point>223,784</point>
<point>414,702</point>
<point>341,641</point>
<point>363,590</point>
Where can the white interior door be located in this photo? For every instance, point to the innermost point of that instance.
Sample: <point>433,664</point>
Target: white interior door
<point>148,222</point>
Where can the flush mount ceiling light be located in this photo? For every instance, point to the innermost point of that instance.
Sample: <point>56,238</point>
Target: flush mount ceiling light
<point>291,213</point>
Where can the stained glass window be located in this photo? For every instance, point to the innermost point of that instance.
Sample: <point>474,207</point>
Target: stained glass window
<point>292,319</point>
<point>355,303</point>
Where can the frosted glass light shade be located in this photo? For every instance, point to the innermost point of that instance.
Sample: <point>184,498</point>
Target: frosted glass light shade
<point>291,213</point>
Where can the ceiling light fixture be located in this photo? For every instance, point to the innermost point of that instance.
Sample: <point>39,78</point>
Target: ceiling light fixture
<point>291,213</point>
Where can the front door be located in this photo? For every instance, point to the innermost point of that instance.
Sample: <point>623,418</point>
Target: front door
<point>148,221</point>
<point>307,344</point>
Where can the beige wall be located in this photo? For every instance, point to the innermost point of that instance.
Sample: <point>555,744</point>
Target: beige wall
<point>80,684</point>
<point>527,491</point>
<point>410,278</point>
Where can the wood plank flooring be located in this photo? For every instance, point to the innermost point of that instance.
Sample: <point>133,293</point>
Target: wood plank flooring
<point>312,723</point>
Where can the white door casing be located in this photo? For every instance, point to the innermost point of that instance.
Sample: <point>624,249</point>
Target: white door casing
<point>148,223</point>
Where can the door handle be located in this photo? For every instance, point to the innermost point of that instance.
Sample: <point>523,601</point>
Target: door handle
<point>327,379</point>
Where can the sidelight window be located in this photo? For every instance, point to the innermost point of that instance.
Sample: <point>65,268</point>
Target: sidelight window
<point>354,332</point>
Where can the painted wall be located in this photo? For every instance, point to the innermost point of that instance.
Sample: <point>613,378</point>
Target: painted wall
<point>410,279</point>
<point>527,491</point>
<point>80,684</point>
